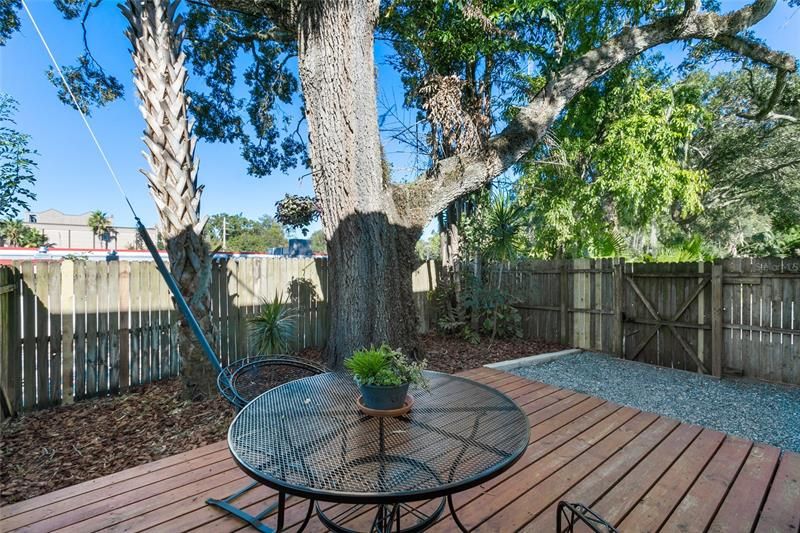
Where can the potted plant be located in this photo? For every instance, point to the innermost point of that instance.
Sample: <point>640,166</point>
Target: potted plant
<point>384,375</point>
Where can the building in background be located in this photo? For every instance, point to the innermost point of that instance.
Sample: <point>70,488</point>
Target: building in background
<point>73,231</point>
<point>296,248</point>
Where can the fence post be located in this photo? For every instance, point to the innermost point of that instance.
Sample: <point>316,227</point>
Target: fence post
<point>716,320</point>
<point>563,299</point>
<point>619,306</point>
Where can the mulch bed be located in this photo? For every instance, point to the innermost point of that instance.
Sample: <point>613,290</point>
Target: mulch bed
<point>451,355</point>
<point>54,448</point>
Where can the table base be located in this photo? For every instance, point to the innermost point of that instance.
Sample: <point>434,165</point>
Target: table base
<point>387,518</point>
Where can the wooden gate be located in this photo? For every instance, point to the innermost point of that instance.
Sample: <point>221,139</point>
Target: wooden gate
<point>667,313</point>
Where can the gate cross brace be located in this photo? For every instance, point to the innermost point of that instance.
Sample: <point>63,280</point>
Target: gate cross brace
<point>671,327</point>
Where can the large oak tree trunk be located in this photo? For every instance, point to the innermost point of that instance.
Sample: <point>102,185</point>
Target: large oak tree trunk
<point>371,247</point>
<point>371,299</point>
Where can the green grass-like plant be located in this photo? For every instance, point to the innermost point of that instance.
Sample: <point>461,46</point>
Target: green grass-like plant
<point>385,367</point>
<point>273,326</point>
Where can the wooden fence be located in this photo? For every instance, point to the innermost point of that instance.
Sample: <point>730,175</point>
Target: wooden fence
<point>71,330</point>
<point>736,316</point>
<point>77,329</point>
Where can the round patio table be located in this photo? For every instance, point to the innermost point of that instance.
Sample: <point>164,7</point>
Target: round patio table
<point>308,438</point>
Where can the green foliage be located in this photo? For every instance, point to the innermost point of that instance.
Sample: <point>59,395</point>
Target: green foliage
<point>503,51</point>
<point>9,19</point>
<point>223,45</point>
<point>768,244</point>
<point>430,248</point>
<point>318,242</point>
<point>496,230</point>
<point>244,234</point>
<point>90,84</point>
<point>477,307</point>
<point>685,251</point>
<point>72,9</point>
<point>272,327</point>
<point>492,306</point>
<point>16,233</point>
<point>753,166</point>
<point>297,212</point>
<point>99,222</point>
<point>385,367</point>
<point>452,317</point>
<point>504,321</point>
<point>16,163</point>
<point>619,165</point>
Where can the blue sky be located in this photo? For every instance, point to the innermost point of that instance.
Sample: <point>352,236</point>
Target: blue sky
<point>71,175</point>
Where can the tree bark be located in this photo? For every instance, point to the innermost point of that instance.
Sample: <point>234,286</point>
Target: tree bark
<point>370,243</point>
<point>160,77</point>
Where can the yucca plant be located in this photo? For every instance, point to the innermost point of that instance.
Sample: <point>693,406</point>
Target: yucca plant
<point>273,326</point>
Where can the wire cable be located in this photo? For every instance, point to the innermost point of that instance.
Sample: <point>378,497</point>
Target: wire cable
<point>151,247</point>
<point>78,107</point>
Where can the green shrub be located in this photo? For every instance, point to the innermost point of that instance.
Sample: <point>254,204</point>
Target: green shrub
<point>273,326</point>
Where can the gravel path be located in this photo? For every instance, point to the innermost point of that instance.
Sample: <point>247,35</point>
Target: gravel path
<point>761,412</point>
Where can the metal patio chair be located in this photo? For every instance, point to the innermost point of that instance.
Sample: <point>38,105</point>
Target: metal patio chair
<point>239,383</point>
<point>574,513</point>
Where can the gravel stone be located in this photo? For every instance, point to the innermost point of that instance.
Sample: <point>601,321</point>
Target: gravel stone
<point>759,411</point>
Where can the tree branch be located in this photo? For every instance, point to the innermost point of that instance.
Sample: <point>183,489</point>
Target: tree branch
<point>281,12</point>
<point>756,51</point>
<point>780,116</point>
<point>452,177</point>
<point>780,83</point>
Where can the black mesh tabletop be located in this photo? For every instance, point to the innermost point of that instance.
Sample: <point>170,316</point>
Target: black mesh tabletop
<point>307,437</point>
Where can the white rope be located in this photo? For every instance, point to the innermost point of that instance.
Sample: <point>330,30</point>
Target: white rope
<point>77,106</point>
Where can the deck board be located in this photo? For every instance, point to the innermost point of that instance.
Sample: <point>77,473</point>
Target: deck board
<point>640,471</point>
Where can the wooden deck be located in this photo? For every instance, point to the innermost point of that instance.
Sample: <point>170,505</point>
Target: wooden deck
<point>640,471</point>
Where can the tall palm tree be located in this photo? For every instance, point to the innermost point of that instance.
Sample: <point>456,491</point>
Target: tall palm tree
<point>160,77</point>
<point>100,224</point>
<point>13,232</point>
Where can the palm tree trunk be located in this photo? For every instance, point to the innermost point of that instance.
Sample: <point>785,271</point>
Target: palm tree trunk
<point>160,76</point>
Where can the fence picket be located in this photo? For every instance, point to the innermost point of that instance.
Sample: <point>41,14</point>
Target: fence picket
<point>164,348</point>
<point>67,331</point>
<point>114,356</point>
<point>54,334</point>
<point>124,325</point>
<point>103,332</point>
<point>80,297</point>
<point>135,323</point>
<point>154,285</point>
<point>42,323</point>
